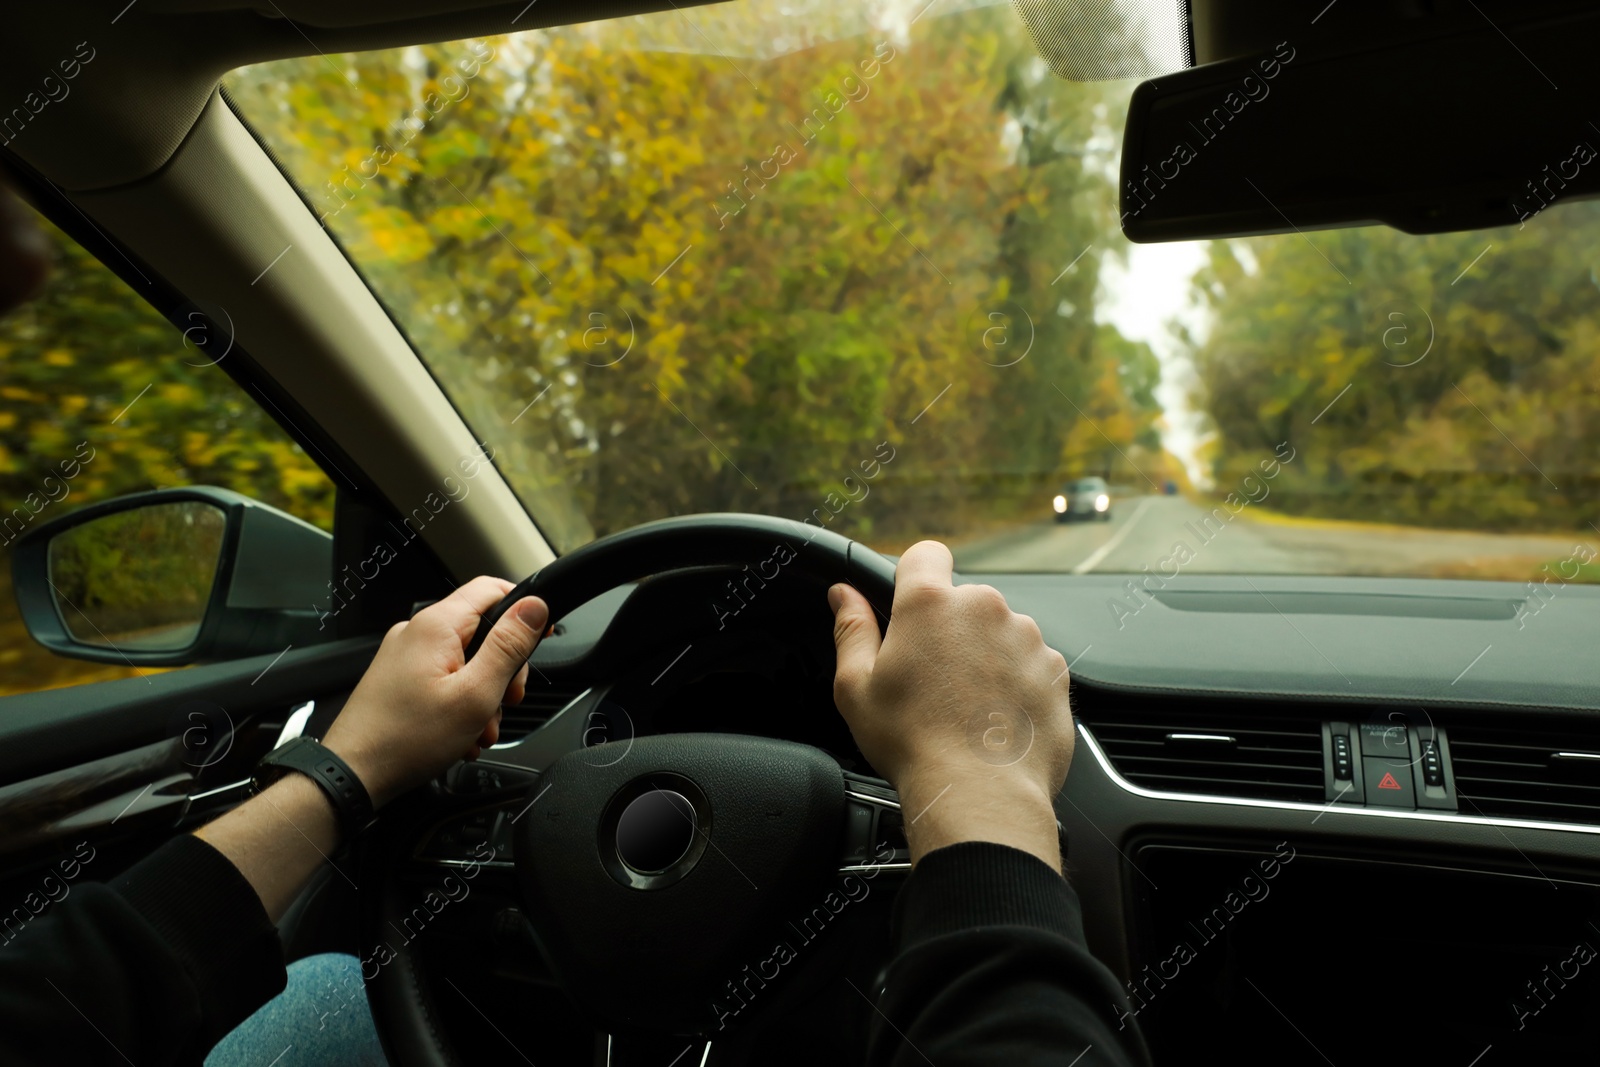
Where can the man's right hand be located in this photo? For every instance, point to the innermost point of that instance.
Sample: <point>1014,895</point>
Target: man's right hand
<point>962,706</point>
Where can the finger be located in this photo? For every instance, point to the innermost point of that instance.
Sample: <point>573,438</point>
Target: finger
<point>518,687</point>
<point>855,638</point>
<point>463,609</point>
<point>506,650</point>
<point>491,733</point>
<point>925,565</point>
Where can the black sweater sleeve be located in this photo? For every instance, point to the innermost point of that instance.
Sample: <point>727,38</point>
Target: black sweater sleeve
<point>152,969</point>
<point>992,969</point>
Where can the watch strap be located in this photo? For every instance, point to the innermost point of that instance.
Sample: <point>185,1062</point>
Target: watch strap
<point>312,758</point>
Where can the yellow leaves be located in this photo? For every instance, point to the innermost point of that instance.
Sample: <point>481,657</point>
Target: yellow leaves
<point>198,449</point>
<point>13,392</point>
<point>8,419</point>
<point>58,357</point>
<point>795,313</point>
<point>403,244</point>
<point>670,361</point>
<point>178,393</point>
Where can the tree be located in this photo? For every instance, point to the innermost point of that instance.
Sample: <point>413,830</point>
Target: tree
<point>1446,380</point>
<point>661,281</point>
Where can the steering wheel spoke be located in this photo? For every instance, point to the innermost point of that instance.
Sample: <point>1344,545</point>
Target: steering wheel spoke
<point>571,728</point>
<point>651,871</point>
<point>637,1050</point>
<point>485,798</point>
<point>875,832</point>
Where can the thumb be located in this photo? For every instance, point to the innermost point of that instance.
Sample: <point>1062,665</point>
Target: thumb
<point>507,647</point>
<point>855,638</point>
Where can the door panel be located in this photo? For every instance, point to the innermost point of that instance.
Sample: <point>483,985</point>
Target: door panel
<point>56,728</point>
<point>94,777</point>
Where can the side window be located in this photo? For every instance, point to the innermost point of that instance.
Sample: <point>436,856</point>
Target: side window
<point>101,396</point>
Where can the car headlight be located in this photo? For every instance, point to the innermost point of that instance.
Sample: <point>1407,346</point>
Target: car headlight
<point>1102,502</point>
<point>1060,503</point>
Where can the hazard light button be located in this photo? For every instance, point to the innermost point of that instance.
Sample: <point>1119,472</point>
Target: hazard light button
<point>1388,783</point>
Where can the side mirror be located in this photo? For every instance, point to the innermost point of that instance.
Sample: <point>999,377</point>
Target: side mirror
<point>172,577</point>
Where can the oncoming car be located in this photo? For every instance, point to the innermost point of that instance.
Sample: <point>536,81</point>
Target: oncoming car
<point>1086,498</point>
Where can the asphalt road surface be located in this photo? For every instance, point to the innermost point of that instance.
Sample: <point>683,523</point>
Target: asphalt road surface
<point>1146,530</point>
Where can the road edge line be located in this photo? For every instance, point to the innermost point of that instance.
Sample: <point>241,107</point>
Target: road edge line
<point>1106,549</point>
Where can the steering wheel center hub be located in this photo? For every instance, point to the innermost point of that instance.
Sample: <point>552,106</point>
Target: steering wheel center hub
<point>706,844</point>
<point>656,831</point>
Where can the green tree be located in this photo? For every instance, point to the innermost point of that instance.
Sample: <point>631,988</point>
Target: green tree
<point>1444,380</point>
<point>798,254</point>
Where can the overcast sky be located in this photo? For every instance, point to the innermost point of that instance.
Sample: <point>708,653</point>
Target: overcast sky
<point>1141,301</point>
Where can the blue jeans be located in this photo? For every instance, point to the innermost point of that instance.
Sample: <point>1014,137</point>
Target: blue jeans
<point>320,1018</point>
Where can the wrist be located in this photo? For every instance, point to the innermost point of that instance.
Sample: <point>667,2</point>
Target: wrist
<point>299,798</point>
<point>926,779</point>
<point>362,763</point>
<point>1005,808</point>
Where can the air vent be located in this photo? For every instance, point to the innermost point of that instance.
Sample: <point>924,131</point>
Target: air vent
<point>1527,774</point>
<point>1223,753</point>
<point>541,701</point>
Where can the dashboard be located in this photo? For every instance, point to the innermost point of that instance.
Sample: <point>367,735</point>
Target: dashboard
<point>1416,763</point>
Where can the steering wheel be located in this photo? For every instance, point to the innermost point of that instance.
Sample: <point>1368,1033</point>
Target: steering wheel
<point>651,875</point>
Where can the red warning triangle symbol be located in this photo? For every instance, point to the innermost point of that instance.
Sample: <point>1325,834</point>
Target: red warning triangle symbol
<point>1388,782</point>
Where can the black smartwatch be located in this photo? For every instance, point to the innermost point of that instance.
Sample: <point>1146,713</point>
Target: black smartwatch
<point>311,758</point>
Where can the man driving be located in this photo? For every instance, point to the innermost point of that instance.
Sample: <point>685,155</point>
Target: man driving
<point>175,958</point>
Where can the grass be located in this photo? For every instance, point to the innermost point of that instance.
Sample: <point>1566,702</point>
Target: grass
<point>1517,569</point>
<point>1270,517</point>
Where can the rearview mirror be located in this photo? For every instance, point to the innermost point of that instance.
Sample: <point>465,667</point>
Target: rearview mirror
<point>172,577</point>
<point>1428,123</point>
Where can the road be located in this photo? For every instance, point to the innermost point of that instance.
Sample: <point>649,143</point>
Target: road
<point>1148,530</point>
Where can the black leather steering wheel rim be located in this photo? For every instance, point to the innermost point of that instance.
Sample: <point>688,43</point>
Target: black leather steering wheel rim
<point>407,1015</point>
<point>725,538</point>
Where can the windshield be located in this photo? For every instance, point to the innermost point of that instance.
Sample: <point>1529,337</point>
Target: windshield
<point>862,267</point>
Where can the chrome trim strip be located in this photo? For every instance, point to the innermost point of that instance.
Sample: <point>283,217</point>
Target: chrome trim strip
<point>704,1056</point>
<point>1578,755</point>
<point>295,724</point>
<point>293,727</point>
<point>541,726</point>
<point>501,864</point>
<point>1203,737</point>
<point>1330,807</point>
<point>860,868</point>
<point>243,784</point>
<point>879,801</point>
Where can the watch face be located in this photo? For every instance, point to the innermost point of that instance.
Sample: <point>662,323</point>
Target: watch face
<point>266,773</point>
